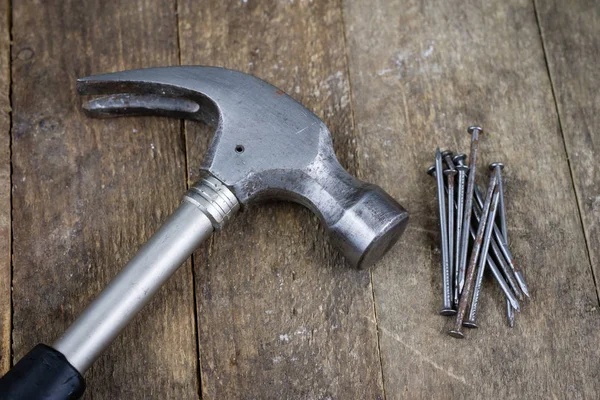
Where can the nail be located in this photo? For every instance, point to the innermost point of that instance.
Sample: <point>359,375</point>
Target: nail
<point>522,284</point>
<point>450,173</point>
<point>474,131</point>
<point>504,249</point>
<point>495,271</point>
<point>462,169</point>
<point>447,297</point>
<point>497,168</point>
<point>472,317</point>
<point>510,276</point>
<point>470,272</point>
<point>510,313</point>
<point>499,278</point>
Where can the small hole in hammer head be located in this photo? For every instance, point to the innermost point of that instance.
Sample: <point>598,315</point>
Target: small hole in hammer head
<point>239,148</point>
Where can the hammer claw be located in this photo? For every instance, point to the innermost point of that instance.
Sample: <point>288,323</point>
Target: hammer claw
<point>266,146</point>
<point>127,104</point>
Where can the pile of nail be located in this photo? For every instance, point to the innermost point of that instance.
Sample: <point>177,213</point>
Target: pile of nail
<point>473,237</point>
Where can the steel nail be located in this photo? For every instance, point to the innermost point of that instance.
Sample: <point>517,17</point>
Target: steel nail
<point>447,297</point>
<point>472,317</point>
<point>495,271</point>
<point>450,174</point>
<point>508,273</point>
<point>474,131</point>
<point>504,249</point>
<point>470,272</point>
<point>497,168</point>
<point>460,196</point>
<point>510,313</point>
<point>522,284</point>
<point>499,278</point>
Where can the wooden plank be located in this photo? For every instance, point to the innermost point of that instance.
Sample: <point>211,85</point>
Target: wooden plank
<point>570,30</point>
<point>5,237</point>
<point>280,315</point>
<point>88,193</point>
<point>418,80</point>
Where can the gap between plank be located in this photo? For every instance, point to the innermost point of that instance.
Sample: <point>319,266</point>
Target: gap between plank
<point>357,170</point>
<point>562,135</point>
<point>183,138</point>
<point>10,181</point>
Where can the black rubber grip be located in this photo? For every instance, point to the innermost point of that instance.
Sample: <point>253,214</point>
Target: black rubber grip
<point>43,373</point>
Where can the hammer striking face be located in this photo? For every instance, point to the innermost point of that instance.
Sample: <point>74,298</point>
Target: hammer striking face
<point>266,146</point>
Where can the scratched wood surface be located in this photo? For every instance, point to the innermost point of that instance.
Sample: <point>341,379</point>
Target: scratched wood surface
<point>572,42</point>
<point>87,193</point>
<point>266,309</point>
<point>280,315</point>
<point>431,70</point>
<point>5,237</point>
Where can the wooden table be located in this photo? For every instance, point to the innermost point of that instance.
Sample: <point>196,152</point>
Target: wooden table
<point>266,309</point>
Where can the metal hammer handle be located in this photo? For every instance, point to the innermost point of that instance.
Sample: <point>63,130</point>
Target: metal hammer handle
<point>205,207</point>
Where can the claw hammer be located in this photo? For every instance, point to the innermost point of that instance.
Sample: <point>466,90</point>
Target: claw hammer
<point>266,146</point>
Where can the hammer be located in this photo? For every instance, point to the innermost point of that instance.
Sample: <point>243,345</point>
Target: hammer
<point>266,146</point>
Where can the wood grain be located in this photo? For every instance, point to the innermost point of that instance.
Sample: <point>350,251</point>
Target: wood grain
<point>280,315</point>
<point>88,193</point>
<point>570,31</point>
<point>5,236</point>
<point>418,80</point>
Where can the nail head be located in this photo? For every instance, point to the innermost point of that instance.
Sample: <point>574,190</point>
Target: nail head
<point>459,157</point>
<point>450,172</point>
<point>447,312</point>
<point>496,164</point>
<point>470,324</point>
<point>473,128</point>
<point>456,334</point>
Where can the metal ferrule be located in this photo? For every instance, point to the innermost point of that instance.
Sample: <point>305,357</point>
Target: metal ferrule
<point>214,199</point>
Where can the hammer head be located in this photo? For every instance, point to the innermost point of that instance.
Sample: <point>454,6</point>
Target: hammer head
<point>266,146</point>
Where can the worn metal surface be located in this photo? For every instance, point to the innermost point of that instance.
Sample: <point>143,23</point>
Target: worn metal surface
<point>462,169</point>
<point>510,296</point>
<point>266,146</point>
<point>506,270</point>
<point>510,314</point>
<point>497,168</point>
<point>490,262</point>
<point>450,174</point>
<point>443,223</point>
<point>503,247</point>
<point>467,292</point>
<point>474,131</point>
<point>205,207</point>
<point>471,320</point>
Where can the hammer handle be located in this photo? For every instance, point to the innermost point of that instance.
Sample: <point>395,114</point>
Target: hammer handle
<point>134,286</point>
<point>44,372</point>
